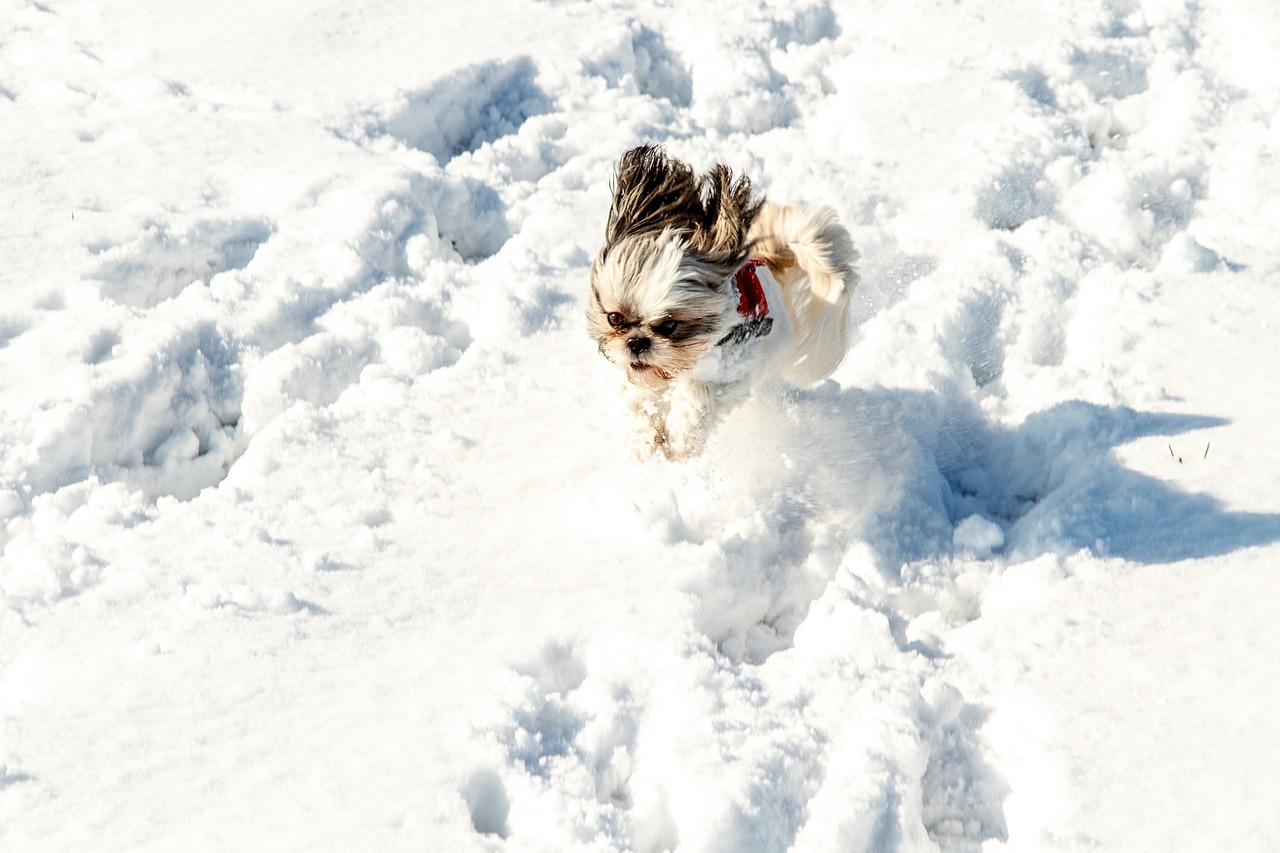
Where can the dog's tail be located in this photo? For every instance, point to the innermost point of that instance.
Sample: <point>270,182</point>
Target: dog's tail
<point>812,256</point>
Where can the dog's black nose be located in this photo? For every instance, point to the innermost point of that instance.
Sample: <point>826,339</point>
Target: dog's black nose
<point>638,345</point>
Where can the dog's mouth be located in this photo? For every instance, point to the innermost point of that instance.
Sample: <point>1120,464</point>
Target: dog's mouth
<point>647,375</point>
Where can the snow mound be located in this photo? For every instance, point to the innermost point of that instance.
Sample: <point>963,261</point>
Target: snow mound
<point>463,111</point>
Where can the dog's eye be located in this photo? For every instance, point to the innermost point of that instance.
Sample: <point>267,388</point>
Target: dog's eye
<point>614,318</point>
<point>666,328</point>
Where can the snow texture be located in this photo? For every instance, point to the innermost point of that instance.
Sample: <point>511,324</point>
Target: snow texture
<point>318,532</point>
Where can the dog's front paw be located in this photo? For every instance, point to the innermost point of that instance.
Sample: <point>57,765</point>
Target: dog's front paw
<point>644,442</point>
<point>692,410</point>
<point>683,441</point>
<point>648,430</point>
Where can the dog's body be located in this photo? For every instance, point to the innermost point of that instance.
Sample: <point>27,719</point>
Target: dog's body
<point>702,292</point>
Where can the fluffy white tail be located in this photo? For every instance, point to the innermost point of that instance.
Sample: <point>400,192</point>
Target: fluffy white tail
<point>811,255</point>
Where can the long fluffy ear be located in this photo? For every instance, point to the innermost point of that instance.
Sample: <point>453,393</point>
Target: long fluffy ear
<point>651,193</point>
<point>728,211</point>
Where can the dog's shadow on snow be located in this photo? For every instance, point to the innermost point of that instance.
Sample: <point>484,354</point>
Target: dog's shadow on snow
<point>898,470</point>
<point>1116,511</point>
<point>1054,483</point>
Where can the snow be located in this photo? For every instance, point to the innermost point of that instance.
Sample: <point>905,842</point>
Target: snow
<point>318,532</point>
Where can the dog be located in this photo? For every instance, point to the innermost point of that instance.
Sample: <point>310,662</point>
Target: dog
<point>703,291</point>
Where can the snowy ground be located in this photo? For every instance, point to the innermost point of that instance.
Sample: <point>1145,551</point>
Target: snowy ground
<point>317,530</point>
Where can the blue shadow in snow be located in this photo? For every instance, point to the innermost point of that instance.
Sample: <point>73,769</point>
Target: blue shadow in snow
<point>1054,482</point>
<point>1099,504</point>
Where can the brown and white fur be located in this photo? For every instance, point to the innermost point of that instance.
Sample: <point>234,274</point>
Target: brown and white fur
<point>663,296</point>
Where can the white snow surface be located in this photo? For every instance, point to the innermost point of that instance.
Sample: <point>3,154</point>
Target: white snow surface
<point>319,534</point>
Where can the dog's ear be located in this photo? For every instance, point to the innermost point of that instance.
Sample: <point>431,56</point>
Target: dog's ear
<point>728,211</point>
<point>652,192</point>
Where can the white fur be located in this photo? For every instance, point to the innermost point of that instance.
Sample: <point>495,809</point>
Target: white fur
<point>817,289</point>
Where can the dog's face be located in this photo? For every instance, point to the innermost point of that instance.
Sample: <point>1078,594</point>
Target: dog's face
<point>660,295</point>
<point>655,308</point>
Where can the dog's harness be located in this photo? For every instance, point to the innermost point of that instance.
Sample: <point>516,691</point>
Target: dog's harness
<point>752,305</point>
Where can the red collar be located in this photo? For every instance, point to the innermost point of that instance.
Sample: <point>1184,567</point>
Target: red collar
<point>751,300</point>
<point>752,305</point>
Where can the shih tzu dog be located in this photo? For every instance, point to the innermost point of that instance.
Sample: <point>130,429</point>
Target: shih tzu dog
<point>703,290</point>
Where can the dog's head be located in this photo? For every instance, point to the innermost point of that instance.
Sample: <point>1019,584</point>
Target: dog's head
<point>660,286</point>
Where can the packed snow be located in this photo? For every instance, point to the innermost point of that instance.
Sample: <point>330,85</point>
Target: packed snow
<point>319,532</point>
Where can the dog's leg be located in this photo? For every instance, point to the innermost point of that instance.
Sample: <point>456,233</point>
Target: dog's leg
<point>647,433</point>
<point>693,407</point>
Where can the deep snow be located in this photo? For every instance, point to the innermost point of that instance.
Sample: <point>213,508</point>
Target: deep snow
<point>318,529</point>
